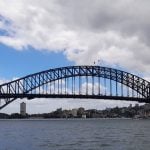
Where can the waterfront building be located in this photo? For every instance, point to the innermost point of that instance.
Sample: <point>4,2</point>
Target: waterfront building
<point>130,106</point>
<point>74,112</point>
<point>84,116</point>
<point>23,108</point>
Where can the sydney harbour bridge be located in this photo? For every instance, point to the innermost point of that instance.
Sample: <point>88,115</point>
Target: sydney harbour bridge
<point>88,82</point>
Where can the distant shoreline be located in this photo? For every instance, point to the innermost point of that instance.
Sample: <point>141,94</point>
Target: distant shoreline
<point>59,119</point>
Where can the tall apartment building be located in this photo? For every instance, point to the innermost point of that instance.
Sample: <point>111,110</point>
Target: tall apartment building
<point>23,108</point>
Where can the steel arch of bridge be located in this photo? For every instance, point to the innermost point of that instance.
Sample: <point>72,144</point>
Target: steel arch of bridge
<point>24,87</point>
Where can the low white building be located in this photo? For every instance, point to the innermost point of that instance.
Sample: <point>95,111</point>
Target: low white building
<point>84,116</point>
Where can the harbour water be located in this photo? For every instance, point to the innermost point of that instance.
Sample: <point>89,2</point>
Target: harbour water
<point>93,134</point>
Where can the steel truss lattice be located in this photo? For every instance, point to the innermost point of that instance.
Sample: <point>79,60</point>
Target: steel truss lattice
<point>32,86</point>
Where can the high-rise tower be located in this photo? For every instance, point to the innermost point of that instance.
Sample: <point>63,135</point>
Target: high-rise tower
<point>23,108</point>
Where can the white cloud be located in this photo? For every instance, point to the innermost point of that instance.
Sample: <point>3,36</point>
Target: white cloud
<point>3,81</point>
<point>117,33</point>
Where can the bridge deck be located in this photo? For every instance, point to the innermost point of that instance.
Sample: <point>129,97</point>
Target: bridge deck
<point>74,96</point>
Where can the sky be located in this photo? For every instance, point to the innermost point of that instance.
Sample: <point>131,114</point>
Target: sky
<point>37,35</point>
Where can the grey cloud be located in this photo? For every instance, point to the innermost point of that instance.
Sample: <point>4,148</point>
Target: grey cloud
<point>127,17</point>
<point>115,31</point>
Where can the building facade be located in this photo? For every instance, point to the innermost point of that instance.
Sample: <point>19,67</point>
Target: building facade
<point>23,108</point>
